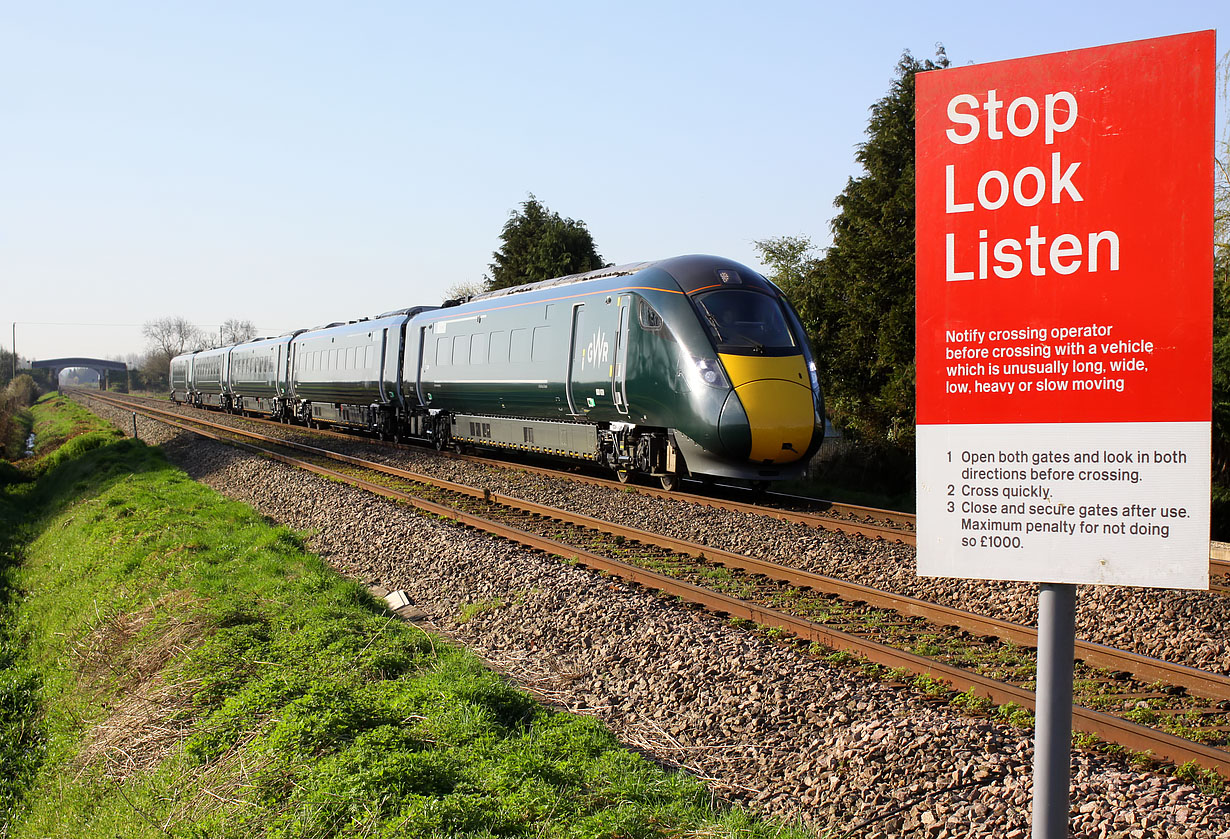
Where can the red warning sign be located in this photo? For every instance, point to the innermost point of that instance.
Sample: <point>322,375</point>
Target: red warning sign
<point>1064,265</point>
<point>1064,236</point>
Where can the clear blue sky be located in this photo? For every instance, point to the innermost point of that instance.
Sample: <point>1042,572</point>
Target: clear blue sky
<point>296,163</point>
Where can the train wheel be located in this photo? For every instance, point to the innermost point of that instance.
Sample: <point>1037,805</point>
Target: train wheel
<point>670,483</point>
<point>438,442</point>
<point>624,475</point>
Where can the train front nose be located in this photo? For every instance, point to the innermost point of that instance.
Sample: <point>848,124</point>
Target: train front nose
<point>772,404</point>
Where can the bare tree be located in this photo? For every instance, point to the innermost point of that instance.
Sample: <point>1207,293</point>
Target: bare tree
<point>463,289</point>
<point>171,336</point>
<point>168,337</point>
<point>235,331</point>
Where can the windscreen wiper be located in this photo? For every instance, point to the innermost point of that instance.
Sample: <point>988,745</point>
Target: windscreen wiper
<point>717,330</point>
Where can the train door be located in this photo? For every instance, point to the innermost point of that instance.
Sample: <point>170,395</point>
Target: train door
<point>284,366</point>
<point>574,345</point>
<point>393,375</point>
<point>418,367</point>
<point>619,371</point>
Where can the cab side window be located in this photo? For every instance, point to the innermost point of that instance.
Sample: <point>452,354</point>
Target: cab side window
<point>648,316</point>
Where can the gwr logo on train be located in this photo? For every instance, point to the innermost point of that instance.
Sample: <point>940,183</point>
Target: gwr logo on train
<point>597,352</point>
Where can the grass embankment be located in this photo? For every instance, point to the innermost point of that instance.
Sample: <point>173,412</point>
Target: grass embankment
<point>175,666</point>
<point>16,397</point>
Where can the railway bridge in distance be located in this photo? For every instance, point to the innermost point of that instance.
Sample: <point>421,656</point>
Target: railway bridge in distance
<point>100,366</point>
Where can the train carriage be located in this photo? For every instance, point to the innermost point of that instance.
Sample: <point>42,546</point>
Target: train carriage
<point>348,373</point>
<point>259,375</point>
<point>181,378</point>
<point>688,365</point>
<point>209,378</point>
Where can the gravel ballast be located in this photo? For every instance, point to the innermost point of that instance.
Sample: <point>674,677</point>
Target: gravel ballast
<point>789,733</point>
<point>1186,627</point>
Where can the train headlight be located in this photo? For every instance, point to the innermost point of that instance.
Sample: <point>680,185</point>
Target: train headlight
<point>709,372</point>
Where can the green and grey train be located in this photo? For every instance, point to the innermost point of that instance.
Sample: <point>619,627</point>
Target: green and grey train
<point>687,366</point>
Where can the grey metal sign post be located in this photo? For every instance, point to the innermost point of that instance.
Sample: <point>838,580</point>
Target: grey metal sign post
<point>1053,714</point>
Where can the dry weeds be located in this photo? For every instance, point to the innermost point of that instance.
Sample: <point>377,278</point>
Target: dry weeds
<point>124,661</point>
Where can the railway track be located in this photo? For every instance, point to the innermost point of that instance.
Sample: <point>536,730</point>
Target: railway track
<point>871,522</point>
<point>984,656</point>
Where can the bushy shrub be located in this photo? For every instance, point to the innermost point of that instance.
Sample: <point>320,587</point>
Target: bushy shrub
<point>15,423</point>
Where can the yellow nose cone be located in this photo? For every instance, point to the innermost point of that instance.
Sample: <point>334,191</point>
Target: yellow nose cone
<point>776,395</point>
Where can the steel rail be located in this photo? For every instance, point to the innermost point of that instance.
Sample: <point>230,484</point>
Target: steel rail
<point>1219,554</point>
<point>1108,727</point>
<point>1145,668</point>
<point>811,519</point>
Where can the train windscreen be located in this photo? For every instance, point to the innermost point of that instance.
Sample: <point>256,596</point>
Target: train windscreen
<point>743,321</point>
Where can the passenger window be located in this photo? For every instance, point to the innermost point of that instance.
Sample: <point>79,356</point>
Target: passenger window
<point>461,350</point>
<point>444,352</point>
<point>497,351</point>
<point>542,343</point>
<point>519,349</point>
<point>478,349</point>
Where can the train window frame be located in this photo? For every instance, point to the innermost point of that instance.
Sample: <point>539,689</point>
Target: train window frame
<point>478,348</point>
<point>497,346</point>
<point>750,345</point>
<point>647,316</point>
<point>519,345</point>
<point>541,348</point>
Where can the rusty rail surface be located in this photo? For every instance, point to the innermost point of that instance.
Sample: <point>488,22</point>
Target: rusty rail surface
<point>834,516</point>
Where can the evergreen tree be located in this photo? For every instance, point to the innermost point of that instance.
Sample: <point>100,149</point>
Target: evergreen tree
<point>1221,394</point>
<point>1221,313</point>
<point>791,262</point>
<point>859,299</point>
<point>539,245</point>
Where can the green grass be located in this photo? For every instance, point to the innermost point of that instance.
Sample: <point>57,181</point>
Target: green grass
<point>172,665</point>
<point>58,419</point>
<point>19,431</point>
<point>470,611</point>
